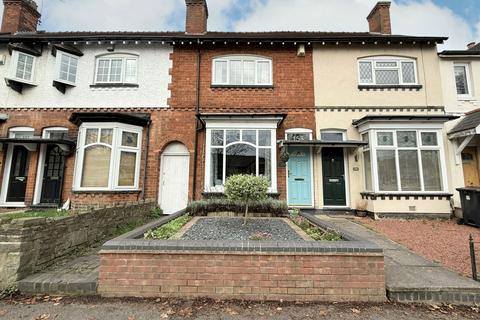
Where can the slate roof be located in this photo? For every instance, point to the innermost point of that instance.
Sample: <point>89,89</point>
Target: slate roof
<point>470,121</point>
<point>286,36</point>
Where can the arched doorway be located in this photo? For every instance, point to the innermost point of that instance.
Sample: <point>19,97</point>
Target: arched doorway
<point>174,173</point>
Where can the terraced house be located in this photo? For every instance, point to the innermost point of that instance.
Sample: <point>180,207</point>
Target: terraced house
<point>334,120</point>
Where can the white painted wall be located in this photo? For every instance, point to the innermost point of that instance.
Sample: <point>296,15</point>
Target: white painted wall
<point>454,104</point>
<point>153,79</point>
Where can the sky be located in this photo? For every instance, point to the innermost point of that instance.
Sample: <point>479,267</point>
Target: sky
<point>457,19</point>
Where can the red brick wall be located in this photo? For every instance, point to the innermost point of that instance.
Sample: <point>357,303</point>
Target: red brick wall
<point>256,276</point>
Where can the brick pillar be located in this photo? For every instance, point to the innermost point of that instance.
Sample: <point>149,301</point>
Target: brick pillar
<point>20,15</point>
<point>379,18</point>
<point>197,15</point>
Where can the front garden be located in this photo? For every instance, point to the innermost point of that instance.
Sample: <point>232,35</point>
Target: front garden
<point>246,246</point>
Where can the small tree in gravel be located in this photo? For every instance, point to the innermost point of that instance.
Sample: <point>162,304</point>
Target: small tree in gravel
<point>246,189</point>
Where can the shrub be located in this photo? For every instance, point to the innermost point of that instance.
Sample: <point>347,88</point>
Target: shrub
<point>201,208</point>
<point>246,189</point>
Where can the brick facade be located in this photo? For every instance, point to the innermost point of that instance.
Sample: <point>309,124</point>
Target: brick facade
<point>19,15</point>
<point>291,94</point>
<point>233,275</point>
<point>167,126</point>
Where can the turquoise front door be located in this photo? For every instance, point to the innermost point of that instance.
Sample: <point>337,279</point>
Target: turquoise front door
<point>299,177</point>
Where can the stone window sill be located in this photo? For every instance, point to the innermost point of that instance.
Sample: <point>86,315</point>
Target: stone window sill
<point>390,87</point>
<point>229,86</point>
<point>114,85</point>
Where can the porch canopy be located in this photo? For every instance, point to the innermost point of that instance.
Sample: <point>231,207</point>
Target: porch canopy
<point>31,143</point>
<point>135,119</point>
<point>324,143</point>
<point>464,133</point>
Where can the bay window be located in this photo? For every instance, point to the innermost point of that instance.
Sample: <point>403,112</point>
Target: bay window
<point>387,71</point>
<point>404,160</point>
<point>108,157</point>
<point>23,67</point>
<point>239,151</point>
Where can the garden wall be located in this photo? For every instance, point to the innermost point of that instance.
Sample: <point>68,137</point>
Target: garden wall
<point>292,276</point>
<point>30,245</point>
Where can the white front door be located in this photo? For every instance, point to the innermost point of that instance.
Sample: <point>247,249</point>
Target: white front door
<point>174,182</point>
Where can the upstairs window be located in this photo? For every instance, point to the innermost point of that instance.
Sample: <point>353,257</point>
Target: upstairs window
<point>387,71</point>
<point>462,76</point>
<point>116,69</point>
<point>66,68</point>
<point>23,66</point>
<point>242,71</point>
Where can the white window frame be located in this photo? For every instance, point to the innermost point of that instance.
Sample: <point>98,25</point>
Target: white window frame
<point>243,58</point>
<point>58,64</point>
<point>374,147</point>
<point>387,59</point>
<point>13,74</point>
<point>272,127</point>
<point>119,56</point>
<point>468,95</point>
<point>308,132</point>
<point>116,148</point>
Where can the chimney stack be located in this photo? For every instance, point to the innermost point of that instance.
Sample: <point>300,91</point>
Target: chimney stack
<point>379,18</point>
<point>20,15</point>
<point>197,15</point>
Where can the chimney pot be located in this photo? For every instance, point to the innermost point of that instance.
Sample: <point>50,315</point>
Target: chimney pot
<point>197,16</point>
<point>20,16</point>
<point>379,18</point>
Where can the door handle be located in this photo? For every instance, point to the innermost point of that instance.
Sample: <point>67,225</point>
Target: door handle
<point>299,179</point>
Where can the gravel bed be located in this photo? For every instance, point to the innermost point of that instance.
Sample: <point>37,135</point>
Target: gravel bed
<point>233,229</point>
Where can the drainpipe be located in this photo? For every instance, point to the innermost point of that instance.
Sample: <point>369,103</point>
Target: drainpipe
<point>198,127</point>
<point>145,165</point>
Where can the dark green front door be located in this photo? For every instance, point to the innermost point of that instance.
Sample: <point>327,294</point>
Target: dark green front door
<point>333,164</point>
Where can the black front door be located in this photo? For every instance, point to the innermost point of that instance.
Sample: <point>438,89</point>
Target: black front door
<point>17,184</point>
<point>333,165</point>
<point>52,175</point>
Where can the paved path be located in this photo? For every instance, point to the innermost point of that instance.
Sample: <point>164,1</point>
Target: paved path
<point>411,278</point>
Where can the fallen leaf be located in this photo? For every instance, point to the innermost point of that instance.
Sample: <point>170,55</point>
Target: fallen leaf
<point>279,309</point>
<point>356,311</point>
<point>43,317</point>
<point>131,318</point>
<point>3,312</point>
<point>164,316</point>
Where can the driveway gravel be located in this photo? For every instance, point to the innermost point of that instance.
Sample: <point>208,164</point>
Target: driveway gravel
<point>141,309</point>
<point>442,241</point>
<point>233,229</point>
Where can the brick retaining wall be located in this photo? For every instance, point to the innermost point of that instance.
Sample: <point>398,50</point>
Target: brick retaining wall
<point>30,245</point>
<point>243,275</point>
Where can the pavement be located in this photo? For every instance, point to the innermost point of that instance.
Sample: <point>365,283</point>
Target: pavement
<point>143,309</point>
<point>410,277</point>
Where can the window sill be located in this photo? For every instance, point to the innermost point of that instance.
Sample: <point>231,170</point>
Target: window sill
<point>389,87</point>
<point>406,195</point>
<point>466,98</point>
<point>133,191</point>
<point>230,86</point>
<point>114,85</point>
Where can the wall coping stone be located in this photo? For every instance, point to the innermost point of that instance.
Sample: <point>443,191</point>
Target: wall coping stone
<point>130,241</point>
